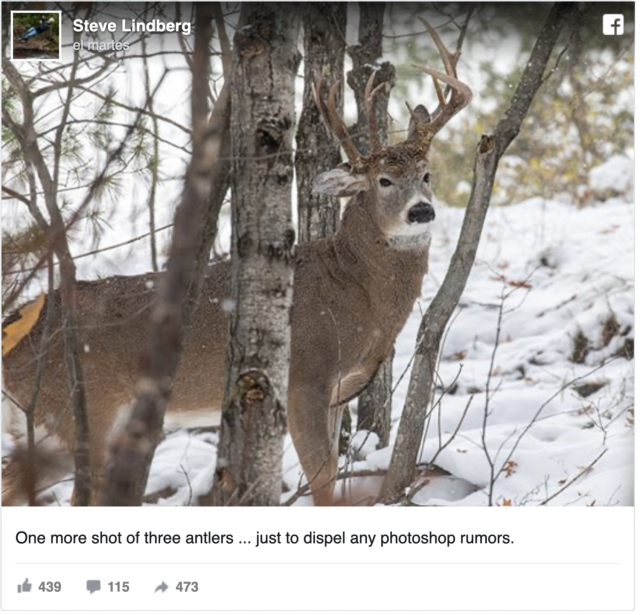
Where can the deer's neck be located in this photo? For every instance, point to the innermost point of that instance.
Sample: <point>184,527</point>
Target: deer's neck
<point>389,273</point>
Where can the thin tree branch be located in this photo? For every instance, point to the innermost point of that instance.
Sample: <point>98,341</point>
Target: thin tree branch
<point>490,150</point>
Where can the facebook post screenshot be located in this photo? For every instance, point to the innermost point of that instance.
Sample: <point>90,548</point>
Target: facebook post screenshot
<point>318,306</point>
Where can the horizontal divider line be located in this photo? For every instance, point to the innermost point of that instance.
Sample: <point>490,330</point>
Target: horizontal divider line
<point>318,563</point>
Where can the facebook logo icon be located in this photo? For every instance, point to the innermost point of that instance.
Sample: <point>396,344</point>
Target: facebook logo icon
<point>613,24</point>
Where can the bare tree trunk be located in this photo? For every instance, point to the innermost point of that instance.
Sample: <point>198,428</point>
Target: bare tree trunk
<point>374,404</point>
<point>490,150</point>
<point>316,149</point>
<point>28,139</point>
<point>155,161</point>
<point>254,418</point>
<point>72,344</point>
<point>31,482</point>
<point>81,437</point>
<point>206,183</point>
<point>365,55</point>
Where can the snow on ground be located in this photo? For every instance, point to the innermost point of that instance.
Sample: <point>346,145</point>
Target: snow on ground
<point>561,279</point>
<point>556,383</point>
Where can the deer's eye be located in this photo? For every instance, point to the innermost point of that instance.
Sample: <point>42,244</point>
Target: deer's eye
<point>385,183</point>
<point>427,178</point>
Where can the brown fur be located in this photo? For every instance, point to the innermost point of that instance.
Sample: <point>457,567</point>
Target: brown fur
<point>353,292</point>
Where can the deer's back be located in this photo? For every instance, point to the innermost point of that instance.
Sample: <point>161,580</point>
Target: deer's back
<point>337,335</point>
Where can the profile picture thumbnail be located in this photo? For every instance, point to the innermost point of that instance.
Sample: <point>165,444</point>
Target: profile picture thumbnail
<point>35,35</point>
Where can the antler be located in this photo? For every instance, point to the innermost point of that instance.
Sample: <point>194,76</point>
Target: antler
<point>460,92</point>
<point>334,121</point>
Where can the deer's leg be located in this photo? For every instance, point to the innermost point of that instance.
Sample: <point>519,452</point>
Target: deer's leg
<point>314,429</point>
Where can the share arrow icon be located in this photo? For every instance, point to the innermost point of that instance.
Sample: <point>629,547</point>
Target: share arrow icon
<point>162,587</point>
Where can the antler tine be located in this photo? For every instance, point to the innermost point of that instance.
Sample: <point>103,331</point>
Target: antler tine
<point>340,128</point>
<point>369,97</point>
<point>460,99</point>
<point>333,120</point>
<point>461,93</point>
<point>448,59</point>
<point>456,84</point>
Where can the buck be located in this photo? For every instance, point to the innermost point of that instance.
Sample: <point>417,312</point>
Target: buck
<point>353,293</point>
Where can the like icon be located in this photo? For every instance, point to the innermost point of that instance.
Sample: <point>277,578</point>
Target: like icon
<point>25,587</point>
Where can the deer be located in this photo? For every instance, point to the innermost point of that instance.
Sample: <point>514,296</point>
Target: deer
<point>353,293</point>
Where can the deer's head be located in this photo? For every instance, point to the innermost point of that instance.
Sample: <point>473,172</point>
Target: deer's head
<point>394,181</point>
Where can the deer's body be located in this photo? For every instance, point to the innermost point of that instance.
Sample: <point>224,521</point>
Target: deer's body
<point>353,292</point>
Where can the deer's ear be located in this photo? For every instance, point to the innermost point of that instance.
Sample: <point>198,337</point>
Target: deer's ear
<point>419,116</point>
<point>339,182</point>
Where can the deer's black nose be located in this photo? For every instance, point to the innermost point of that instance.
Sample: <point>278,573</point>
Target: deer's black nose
<point>421,213</point>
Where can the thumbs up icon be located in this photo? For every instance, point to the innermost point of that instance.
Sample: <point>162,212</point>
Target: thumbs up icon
<point>25,587</point>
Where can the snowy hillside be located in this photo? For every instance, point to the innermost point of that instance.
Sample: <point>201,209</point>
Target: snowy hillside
<point>561,281</point>
<point>555,381</point>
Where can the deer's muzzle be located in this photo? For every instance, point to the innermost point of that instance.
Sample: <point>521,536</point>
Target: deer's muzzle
<point>421,213</point>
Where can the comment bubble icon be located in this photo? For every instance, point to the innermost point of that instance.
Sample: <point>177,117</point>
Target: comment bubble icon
<point>93,586</point>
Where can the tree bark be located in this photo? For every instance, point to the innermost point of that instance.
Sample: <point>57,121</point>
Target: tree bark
<point>365,55</point>
<point>254,419</point>
<point>317,150</point>
<point>490,150</point>
<point>195,225</point>
<point>374,404</point>
<point>31,482</point>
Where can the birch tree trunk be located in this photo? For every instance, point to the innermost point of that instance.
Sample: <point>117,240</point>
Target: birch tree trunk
<point>254,417</point>
<point>317,150</point>
<point>374,404</point>
<point>434,323</point>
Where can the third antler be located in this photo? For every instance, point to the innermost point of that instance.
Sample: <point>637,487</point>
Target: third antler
<point>455,98</point>
<point>460,92</point>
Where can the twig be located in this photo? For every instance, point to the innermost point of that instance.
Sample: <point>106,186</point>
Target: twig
<point>186,476</point>
<point>454,434</point>
<point>485,418</point>
<point>574,479</point>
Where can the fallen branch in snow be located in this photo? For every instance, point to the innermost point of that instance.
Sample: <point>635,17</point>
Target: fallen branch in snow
<point>575,478</point>
<point>535,417</point>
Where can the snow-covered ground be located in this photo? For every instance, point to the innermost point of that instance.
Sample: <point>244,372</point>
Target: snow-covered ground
<point>561,280</point>
<point>556,383</point>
